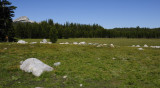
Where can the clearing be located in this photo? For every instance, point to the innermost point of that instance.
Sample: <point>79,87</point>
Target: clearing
<point>85,66</point>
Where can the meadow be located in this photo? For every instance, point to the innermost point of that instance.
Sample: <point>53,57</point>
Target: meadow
<point>91,66</point>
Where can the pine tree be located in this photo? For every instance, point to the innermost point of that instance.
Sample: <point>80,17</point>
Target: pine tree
<point>53,35</point>
<point>6,28</point>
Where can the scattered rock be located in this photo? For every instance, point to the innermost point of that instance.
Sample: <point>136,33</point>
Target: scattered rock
<point>133,46</point>
<point>111,45</point>
<point>61,43</point>
<point>140,49</point>
<point>99,45</point>
<point>155,46</point>
<point>65,77</point>
<point>44,41</point>
<point>66,43</point>
<point>22,42</point>
<point>57,63</point>
<point>90,43</point>
<point>82,43</point>
<point>145,45</point>
<point>138,46</point>
<point>113,58</point>
<point>104,44</point>
<point>33,42</point>
<point>39,87</point>
<point>81,85</point>
<point>75,43</point>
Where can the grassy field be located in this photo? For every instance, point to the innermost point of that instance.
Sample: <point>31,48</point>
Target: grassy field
<point>91,66</point>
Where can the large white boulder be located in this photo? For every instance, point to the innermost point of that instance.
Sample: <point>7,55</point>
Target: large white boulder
<point>35,66</point>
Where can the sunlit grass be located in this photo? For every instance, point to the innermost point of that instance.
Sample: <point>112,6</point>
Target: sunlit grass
<point>92,66</point>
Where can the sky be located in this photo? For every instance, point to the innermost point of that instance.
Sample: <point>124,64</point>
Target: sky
<point>107,13</point>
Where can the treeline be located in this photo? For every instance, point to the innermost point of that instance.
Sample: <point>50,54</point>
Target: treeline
<point>74,30</point>
<point>134,33</point>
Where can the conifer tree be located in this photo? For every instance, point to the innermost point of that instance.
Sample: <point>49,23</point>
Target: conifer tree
<point>6,28</point>
<point>53,35</point>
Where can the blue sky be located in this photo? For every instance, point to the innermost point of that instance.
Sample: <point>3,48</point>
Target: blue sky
<point>107,13</point>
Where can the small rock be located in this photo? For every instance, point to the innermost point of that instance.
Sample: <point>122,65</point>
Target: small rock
<point>140,49</point>
<point>57,63</point>
<point>82,43</point>
<point>5,48</point>
<point>98,45</point>
<point>75,43</point>
<point>155,46</point>
<point>133,46</point>
<point>138,46</point>
<point>111,45</point>
<point>81,85</point>
<point>66,43</point>
<point>65,77</point>
<point>44,41</point>
<point>22,42</point>
<point>113,58</point>
<point>145,45</point>
<point>61,43</point>
<point>104,44</point>
<point>90,43</point>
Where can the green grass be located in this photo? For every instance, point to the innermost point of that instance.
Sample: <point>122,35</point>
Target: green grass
<point>131,68</point>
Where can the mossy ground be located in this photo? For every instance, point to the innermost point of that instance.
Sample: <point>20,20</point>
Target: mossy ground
<point>92,66</point>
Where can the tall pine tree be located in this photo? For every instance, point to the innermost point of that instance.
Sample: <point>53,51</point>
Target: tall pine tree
<point>6,14</point>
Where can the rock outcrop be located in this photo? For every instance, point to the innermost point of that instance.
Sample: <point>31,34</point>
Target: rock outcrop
<point>23,19</point>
